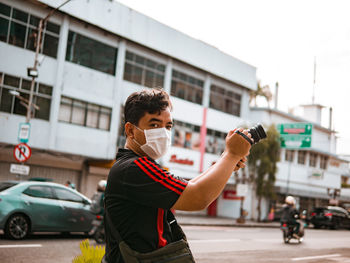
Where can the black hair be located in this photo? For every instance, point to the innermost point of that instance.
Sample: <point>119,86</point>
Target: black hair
<point>148,100</point>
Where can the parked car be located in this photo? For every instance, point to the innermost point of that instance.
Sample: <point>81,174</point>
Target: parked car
<point>33,206</point>
<point>333,217</point>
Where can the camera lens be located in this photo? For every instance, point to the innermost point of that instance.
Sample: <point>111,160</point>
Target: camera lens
<point>257,132</point>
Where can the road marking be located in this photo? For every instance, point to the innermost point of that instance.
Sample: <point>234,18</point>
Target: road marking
<point>15,246</point>
<point>214,240</point>
<point>317,257</point>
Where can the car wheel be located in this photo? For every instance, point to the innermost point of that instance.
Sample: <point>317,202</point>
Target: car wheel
<point>17,227</point>
<point>317,226</point>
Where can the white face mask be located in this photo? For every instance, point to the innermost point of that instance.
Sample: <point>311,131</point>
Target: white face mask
<point>157,143</point>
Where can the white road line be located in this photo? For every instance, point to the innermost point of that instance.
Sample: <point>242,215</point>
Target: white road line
<point>16,246</point>
<point>214,240</point>
<point>317,257</point>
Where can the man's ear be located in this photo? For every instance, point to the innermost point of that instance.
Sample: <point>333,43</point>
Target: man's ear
<point>129,130</point>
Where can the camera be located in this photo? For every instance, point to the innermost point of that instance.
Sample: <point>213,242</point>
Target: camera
<point>257,132</point>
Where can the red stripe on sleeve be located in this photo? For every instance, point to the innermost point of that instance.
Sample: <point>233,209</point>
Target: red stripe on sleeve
<point>160,228</point>
<point>155,179</point>
<point>166,175</point>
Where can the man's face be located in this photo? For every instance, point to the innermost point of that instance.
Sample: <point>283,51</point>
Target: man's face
<point>150,121</point>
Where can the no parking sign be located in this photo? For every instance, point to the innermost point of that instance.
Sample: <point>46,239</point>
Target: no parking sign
<point>22,152</point>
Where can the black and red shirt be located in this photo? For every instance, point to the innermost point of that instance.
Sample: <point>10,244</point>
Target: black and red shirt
<point>138,196</point>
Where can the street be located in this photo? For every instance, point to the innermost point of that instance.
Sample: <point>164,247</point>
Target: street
<point>209,244</point>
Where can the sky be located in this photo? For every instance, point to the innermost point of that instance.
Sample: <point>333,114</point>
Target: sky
<point>282,39</point>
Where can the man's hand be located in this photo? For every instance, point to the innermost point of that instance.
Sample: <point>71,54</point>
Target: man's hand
<point>236,144</point>
<point>240,164</point>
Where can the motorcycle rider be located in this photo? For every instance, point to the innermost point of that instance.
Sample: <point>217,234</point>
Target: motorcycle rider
<point>97,199</point>
<point>290,215</point>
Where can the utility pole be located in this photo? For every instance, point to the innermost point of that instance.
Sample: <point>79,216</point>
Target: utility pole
<point>33,72</point>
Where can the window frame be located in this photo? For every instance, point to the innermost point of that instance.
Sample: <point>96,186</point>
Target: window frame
<point>101,112</point>
<point>225,97</point>
<point>24,93</point>
<point>302,157</point>
<point>289,155</point>
<point>183,80</point>
<point>144,69</point>
<point>74,57</point>
<point>313,159</point>
<point>29,27</point>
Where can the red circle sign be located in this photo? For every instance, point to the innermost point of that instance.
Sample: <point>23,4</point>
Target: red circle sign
<point>22,152</point>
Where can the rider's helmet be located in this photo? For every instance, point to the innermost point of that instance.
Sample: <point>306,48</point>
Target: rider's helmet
<point>102,185</point>
<point>290,200</point>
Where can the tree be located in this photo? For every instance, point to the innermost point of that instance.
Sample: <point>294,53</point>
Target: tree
<point>261,91</point>
<point>262,163</point>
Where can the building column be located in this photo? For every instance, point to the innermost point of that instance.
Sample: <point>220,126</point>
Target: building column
<point>203,131</point>
<point>168,76</point>
<point>57,89</point>
<point>244,110</point>
<point>117,95</point>
<point>206,91</point>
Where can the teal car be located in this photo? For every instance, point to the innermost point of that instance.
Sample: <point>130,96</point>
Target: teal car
<point>29,206</point>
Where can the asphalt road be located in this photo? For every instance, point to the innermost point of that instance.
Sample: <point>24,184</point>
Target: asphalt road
<point>209,244</point>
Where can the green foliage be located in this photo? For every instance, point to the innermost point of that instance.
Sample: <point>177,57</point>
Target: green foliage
<point>262,162</point>
<point>89,254</point>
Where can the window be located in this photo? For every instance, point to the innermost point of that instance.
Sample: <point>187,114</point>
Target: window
<point>143,71</point>
<point>66,195</point>
<point>91,53</point>
<point>289,155</point>
<point>11,104</point>
<point>186,87</point>
<point>323,162</point>
<point>186,135</point>
<point>84,114</point>
<point>301,157</point>
<point>313,159</point>
<point>20,29</point>
<point>39,191</point>
<point>225,100</point>
<point>215,141</point>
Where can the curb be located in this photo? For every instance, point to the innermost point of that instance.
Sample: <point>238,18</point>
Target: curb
<point>227,225</point>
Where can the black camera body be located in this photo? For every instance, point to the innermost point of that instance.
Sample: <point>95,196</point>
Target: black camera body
<point>257,132</point>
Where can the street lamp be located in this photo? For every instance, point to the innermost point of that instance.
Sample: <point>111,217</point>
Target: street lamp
<point>24,101</point>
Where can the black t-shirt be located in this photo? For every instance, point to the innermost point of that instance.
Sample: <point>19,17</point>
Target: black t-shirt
<point>138,196</point>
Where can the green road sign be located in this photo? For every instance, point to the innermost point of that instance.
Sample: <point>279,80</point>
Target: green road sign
<point>295,135</point>
<point>295,128</point>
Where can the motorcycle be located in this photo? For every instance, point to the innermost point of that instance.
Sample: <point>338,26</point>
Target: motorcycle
<point>288,230</point>
<point>98,230</point>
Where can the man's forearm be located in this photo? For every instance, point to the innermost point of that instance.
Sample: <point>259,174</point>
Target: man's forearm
<point>211,183</point>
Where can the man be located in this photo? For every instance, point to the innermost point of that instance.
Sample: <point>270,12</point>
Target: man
<point>97,205</point>
<point>140,192</point>
<point>290,215</point>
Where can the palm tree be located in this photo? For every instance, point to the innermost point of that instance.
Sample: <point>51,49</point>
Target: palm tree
<point>261,91</point>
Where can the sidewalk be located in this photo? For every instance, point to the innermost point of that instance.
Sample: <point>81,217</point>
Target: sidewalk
<point>201,220</point>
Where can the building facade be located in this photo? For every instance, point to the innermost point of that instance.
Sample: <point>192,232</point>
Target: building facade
<point>94,55</point>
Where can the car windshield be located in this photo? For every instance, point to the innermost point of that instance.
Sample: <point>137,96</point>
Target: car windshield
<point>6,185</point>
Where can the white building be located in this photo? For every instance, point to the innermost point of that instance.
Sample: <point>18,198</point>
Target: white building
<point>96,53</point>
<point>311,174</point>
